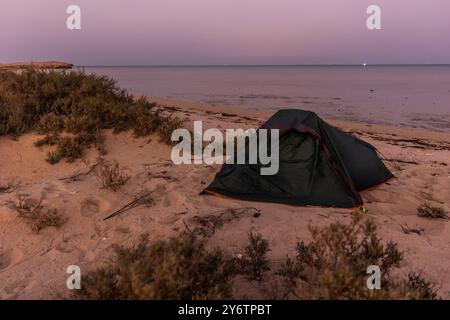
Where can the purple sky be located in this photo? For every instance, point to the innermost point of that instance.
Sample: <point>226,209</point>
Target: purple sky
<point>160,32</point>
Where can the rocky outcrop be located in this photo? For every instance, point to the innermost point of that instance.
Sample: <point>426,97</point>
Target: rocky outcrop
<point>42,65</point>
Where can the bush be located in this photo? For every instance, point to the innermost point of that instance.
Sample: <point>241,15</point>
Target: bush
<point>427,210</point>
<point>254,262</point>
<point>53,102</point>
<point>421,288</point>
<point>37,215</point>
<point>111,176</point>
<point>180,268</point>
<point>334,265</point>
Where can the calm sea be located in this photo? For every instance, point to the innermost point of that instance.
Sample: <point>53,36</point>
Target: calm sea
<point>413,96</point>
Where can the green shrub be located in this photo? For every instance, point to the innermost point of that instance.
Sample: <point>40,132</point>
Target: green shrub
<point>420,288</point>
<point>334,266</point>
<point>53,102</point>
<point>180,268</point>
<point>254,262</point>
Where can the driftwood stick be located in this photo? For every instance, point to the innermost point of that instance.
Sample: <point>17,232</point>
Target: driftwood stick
<point>136,202</point>
<point>401,161</point>
<point>80,173</point>
<point>140,200</point>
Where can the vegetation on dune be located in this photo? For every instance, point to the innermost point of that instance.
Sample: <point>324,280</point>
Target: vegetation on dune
<point>180,268</point>
<point>72,108</point>
<point>332,266</point>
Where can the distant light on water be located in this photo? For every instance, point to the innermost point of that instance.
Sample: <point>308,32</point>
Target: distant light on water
<point>364,64</point>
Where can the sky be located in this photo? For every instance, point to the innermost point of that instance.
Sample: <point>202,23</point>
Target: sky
<point>210,32</point>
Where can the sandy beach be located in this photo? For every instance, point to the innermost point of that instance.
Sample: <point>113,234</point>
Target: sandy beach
<point>33,266</point>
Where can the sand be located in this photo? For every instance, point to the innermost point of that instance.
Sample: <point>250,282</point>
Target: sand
<point>33,266</point>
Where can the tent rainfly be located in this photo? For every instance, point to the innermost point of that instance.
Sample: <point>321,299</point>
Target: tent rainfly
<point>319,165</point>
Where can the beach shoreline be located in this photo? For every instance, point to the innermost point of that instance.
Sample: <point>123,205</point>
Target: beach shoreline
<point>409,96</point>
<point>260,116</point>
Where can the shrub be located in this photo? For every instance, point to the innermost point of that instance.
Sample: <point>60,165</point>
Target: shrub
<point>53,102</point>
<point>111,176</point>
<point>254,262</point>
<point>420,288</point>
<point>334,265</point>
<point>427,210</point>
<point>37,215</point>
<point>180,268</point>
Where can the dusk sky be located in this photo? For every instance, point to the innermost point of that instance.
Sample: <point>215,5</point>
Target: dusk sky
<point>205,32</point>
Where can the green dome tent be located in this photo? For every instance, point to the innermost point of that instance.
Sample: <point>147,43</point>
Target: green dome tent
<point>319,165</point>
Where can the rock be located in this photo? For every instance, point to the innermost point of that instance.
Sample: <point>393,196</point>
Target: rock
<point>43,65</point>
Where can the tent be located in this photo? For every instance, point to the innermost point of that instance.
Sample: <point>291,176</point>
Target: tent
<point>319,165</point>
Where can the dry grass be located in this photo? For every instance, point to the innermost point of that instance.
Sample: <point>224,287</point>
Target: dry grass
<point>37,215</point>
<point>57,103</point>
<point>427,210</point>
<point>110,175</point>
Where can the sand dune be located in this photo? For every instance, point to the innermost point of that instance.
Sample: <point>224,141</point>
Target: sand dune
<point>33,266</point>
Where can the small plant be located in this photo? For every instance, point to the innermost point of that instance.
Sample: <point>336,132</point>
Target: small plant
<point>422,289</point>
<point>37,215</point>
<point>111,176</point>
<point>254,262</point>
<point>180,268</point>
<point>427,210</point>
<point>335,263</point>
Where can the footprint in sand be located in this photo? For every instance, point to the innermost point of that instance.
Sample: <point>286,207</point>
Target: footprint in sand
<point>5,259</point>
<point>169,219</point>
<point>173,198</point>
<point>8,257</point>
<point>17,286</point>
<point>91,206</point>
